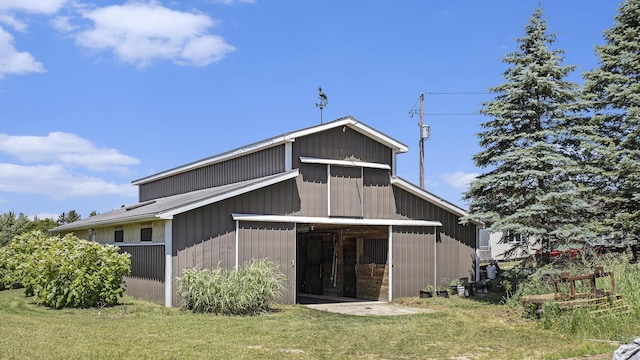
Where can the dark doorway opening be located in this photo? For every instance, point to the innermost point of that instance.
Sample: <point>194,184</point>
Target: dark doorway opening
<point>335,263</point>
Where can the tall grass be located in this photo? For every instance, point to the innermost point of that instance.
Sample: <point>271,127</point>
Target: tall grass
<point>612,325</point>
<point>248,291</point>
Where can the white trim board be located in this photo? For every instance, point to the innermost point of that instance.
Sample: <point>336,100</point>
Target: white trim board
<point>347,163</point>
<point>328,220</point>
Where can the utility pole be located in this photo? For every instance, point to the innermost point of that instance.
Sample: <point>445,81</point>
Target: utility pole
<point>424,134</point>
<point>324,101</point>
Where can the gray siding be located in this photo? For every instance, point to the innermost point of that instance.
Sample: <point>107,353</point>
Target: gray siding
<point>312,186</point>
<point>341,145</point>
<point>147,272</point>
<point>413,254</point>
<point>274,241</point>
<point>261,163</point>
<point>379,202</point>
<point>346,191</point>
<point>455,242</point>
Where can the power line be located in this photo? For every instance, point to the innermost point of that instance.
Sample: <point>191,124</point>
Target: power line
<point>458,93</point>
<point>453,114</point>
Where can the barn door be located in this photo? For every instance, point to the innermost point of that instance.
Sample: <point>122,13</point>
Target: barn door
<point>345,187</point>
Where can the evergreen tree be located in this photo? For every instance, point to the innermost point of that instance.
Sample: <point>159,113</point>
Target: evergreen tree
<point>11,226</point>
<point>612,92</point>
<point>528,189</point>
<point>69,217</point>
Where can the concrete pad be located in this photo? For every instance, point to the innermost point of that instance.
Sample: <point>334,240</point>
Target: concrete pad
<point>368,308</point>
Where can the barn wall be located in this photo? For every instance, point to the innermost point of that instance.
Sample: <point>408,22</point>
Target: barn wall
<point>274,241</point>
<point>262,163</point>
<point>455,242</point>
<point>413,254</point>
<point>206,236</point>
<point>147,272</point>
<point>341,145</point>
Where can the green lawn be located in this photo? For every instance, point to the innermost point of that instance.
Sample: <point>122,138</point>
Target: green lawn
<point>460,329</point>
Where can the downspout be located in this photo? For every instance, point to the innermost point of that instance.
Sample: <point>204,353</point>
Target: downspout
<point>168,263</point>
<point>390,263</point>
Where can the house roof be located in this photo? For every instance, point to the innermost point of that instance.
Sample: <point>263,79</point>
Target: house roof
<point>167,207</point>
<point>348,121</point>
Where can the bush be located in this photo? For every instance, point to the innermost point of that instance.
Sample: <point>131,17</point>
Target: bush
<point>248,291</point>
<point>16,255</point>
<point>66,272</point>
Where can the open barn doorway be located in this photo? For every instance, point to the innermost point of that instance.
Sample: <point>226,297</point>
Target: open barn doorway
<point>341,263</point>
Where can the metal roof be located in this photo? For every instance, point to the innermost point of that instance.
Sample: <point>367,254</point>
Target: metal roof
<point>166,207</point>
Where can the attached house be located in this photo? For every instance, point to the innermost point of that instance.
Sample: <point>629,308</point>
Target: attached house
<point>324,203</point>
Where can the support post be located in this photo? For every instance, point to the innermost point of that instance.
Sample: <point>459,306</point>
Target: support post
<point>168,263</point>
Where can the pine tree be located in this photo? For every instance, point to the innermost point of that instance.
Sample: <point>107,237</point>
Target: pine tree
<point>612,92</point>
<point>528,189</point>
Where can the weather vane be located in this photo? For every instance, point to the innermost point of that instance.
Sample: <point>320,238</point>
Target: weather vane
<point>324,101</point>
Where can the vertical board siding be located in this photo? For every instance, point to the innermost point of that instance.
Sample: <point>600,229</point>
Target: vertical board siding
<point>274,241</point>
<point>206,237</point>
<point>456,243</point>
<point>341,145</point>
<point>147,261</point>
<point>147,272</point>
<point>378,195</point>
<point>262,163</point>
<point>346,191</point>
<point>312,187</point>
<point>413,266</point>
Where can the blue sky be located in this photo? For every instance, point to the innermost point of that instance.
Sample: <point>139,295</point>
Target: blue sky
<point>95,94</point>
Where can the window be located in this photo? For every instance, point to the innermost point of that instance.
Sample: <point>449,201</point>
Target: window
<point>118,235</point>
<point>146,234</point>
<point>514,238</point>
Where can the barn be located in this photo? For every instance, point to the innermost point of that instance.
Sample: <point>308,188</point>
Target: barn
<point>324,202</point>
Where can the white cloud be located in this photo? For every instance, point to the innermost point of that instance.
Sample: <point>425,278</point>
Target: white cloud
<point>141,32</point>
<point>33,6</point>
<point>66,149</point>
<point>62,24</point>
<point>9,7</point>
<point>14,62</point>
<point>13,22</point>
<point>56,182</point>
<point>459,180</point>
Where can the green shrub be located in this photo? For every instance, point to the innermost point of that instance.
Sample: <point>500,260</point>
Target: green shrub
<point>248,291</point>
<point>65,272</point>
<point>16,255</point>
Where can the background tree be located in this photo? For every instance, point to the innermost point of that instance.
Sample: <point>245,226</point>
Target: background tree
<point>43,225</point>
<point>68,217</point>
<point>528,189</point>
<point>11,226</point>
<point>612,92</point>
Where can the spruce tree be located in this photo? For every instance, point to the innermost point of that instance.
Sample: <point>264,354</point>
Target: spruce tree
<point>612,93</point>
<point>528,189</point>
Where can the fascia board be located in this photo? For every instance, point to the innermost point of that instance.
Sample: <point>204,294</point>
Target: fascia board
<point>331,221</point>
<point>348,163</point>
<point>101,223</point>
